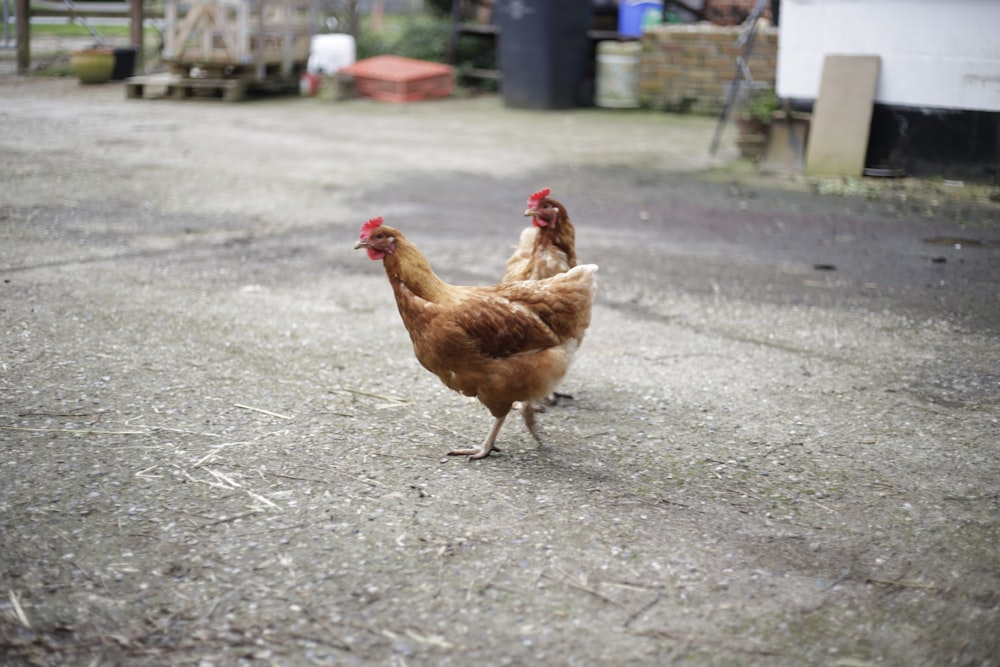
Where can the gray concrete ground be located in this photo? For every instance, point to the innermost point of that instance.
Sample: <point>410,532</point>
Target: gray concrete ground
<point>218,448</point>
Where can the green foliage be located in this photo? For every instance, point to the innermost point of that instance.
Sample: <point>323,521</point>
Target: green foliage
<point>761,106</point>
<point>368,44</point>
<point>439,7</point>
<point>476,53</point>
<point>425,37</point>
<point>418,36</point>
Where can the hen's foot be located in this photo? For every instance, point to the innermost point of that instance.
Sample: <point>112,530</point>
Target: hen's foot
<point>482,451</point>
<point>555,397</point>
<point>475,453</point>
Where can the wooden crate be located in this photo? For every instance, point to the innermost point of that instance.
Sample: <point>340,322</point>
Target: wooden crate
<point>397,79</point>
<point>264,37</point>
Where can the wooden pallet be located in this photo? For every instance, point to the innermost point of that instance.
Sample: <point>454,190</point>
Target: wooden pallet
<point>263,34</point>
<point>176,87</point>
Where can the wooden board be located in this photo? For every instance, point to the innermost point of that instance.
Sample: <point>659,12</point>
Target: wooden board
<point>842,115</point>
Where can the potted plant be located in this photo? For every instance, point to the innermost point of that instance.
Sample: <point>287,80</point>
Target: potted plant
<point>754,122</point>
<point>93,65</point>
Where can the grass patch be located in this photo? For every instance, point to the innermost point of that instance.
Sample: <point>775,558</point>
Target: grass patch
<point>77,30</point>
<point>57,68</point>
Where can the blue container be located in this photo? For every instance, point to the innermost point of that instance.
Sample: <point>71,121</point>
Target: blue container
<point>633,15</point>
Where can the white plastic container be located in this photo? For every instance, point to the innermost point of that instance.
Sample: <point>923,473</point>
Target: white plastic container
<point>329,53</point>
<point>617,85</point>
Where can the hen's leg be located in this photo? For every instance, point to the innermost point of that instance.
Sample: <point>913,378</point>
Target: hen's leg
<point>529,410</point>
<point>483,450</point>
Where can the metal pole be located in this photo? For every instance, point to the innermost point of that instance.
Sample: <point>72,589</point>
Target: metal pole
<point>745,41</point>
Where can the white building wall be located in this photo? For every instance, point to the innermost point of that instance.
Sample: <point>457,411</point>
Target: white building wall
<point>935,53</point>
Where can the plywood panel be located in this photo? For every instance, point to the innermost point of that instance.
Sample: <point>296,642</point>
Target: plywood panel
<point>838,135</point>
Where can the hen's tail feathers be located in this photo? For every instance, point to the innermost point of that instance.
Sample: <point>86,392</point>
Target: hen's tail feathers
<point>585,272</point>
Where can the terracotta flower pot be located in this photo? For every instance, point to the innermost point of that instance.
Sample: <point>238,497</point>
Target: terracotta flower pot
<point>93,65</point>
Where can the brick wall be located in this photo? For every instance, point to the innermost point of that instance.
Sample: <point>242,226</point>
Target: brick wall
<point>688,67</point>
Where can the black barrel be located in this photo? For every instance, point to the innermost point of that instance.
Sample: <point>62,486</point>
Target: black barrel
<point>544,53</point>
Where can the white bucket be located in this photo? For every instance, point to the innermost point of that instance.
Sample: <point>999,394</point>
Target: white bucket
<point>329,53</point>
<point>617,75</point>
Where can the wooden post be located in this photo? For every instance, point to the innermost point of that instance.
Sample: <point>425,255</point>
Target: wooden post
<point>23,36</point>
<point>136,18</point>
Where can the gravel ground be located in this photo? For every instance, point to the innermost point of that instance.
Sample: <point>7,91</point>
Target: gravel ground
<point>218,448</point>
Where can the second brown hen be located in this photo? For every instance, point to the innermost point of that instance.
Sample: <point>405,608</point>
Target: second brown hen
<point>548,246</point>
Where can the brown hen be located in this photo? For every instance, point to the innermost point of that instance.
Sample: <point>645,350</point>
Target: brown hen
<point>500,343</point>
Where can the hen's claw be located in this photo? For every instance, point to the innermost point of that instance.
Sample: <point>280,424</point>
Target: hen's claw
<point>483,450</point>
<point>473,454</point>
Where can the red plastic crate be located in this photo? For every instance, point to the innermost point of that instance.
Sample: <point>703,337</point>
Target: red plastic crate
<point>398,79</point>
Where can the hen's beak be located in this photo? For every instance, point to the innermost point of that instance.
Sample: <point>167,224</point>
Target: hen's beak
<point>531,212</point>
<point>361,244</point>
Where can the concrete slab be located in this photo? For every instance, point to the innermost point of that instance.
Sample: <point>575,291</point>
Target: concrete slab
<point>786,144</point>
<point>838,138</point>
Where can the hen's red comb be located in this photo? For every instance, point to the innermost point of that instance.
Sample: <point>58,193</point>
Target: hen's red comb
<point>538,196</point>
<point>366,229</point>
